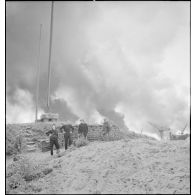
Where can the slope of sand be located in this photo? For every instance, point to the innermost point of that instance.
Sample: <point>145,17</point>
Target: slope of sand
<point>125,166</point>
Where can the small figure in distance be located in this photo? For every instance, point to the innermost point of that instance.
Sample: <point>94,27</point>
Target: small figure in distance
<point>53,139</point>
<point>106,127</point>
<point>68,130</point>
<point>83,129</point>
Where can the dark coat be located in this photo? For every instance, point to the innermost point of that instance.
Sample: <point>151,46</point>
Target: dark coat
<point>54,133</point>
<point>67,129</point>
<point>106,127</point>
<point>83,129</point>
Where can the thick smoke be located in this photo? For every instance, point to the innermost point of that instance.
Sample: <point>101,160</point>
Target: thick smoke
<point>115,60</point>
<point>20,107</point>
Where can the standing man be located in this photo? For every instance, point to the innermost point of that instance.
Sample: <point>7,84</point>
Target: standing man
<point>83,129</point>
<point>53,139</point>
<point>68,130</point>
<point>106,127</point>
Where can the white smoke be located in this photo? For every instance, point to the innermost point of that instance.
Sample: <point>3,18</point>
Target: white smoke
<point>108,58</point>
<point>21,108</point>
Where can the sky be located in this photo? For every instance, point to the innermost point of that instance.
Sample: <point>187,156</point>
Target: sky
<point>127,61</point>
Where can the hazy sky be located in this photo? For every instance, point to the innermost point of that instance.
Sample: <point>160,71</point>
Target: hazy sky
<point>128,61</point>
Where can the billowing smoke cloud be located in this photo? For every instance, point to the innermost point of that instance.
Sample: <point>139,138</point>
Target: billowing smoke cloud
<point>20,107</point>
<point>128,61</point>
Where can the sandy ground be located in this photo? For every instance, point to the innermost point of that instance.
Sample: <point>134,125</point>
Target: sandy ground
<point>125,166</point>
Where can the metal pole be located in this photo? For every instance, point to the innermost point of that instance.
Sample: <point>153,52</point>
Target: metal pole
<point>38,73</point>
<point>184,129</point>
<point>49,65</point>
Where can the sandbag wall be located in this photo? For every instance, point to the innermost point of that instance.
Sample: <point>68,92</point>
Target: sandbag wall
<point>94,134</point>
<point>35,132</point>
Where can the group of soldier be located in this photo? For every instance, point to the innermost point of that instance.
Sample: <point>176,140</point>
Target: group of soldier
<point>67,130</point>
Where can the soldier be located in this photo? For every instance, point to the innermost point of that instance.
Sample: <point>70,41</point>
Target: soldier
<point>83,129</point>
<point>68,130</point>
<point>106,127</point>
<point>53,139</point>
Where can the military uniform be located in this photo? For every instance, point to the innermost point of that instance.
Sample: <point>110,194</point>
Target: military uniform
<point>53,140</point>
<point>106,128</point>
<point>68,129</point>
<point>83,129</point>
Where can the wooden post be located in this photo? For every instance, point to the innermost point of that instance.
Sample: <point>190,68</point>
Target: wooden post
<point>49,63</point>
<point>38,73</point>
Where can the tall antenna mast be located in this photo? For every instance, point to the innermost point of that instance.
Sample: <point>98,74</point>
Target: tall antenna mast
<point>38,73</point>
<point>49,65</point>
